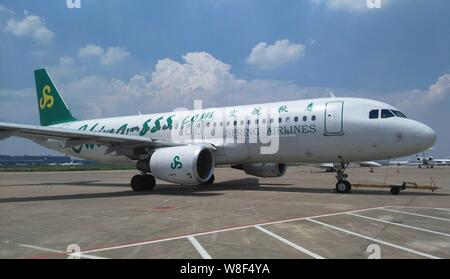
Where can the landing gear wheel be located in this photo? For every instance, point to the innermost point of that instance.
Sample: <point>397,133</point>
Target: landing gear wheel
<point>395,190</point>
<point>343,186</point>
<point>143,182</point>
<point>210,181</point>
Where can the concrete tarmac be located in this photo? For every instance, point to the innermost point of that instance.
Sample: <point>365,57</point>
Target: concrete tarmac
<point>47,215</point>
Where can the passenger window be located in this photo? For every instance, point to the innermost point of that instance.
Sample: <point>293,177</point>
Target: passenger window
<point>305,118</point>
<point>313,118</point>
<point>279,120</point>
<point>373,114</point>
<point>288,119</point>
<point>264,121</point>
<point>296,119</point>
<point>242,122</point>
<point>248,122</point>
<point>235,123</point>
<point>385,113</point>
<point>399,114</point>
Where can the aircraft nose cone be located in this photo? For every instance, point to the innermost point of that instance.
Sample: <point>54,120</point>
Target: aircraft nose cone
<point>426,137</point>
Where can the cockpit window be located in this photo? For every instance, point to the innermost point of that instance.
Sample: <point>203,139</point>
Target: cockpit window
<point>399,114</point>
<point>373,114</point>
<point>385,113</point>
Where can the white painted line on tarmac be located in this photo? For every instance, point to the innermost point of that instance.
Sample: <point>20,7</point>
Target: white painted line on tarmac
<point>199,248</point>
<point>290,243</point>
<point>374,239</point>
<point>397,224</point>
<point>114,247</point>
<point>79,254</point>
<point>416,214</point>
<point>420,207</point>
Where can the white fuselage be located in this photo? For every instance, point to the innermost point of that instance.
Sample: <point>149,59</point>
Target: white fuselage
<point>310,131</point>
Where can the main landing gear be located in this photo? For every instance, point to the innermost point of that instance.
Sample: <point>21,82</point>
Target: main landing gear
<point>342,186</point>
<point>143,182</point>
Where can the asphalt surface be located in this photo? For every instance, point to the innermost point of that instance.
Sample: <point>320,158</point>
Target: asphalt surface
<point>47,215</point>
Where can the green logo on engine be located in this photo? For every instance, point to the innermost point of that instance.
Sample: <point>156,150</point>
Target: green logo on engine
<point>176,164</point>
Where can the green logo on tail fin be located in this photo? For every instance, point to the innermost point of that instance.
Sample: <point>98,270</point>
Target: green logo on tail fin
<point>52,109</point>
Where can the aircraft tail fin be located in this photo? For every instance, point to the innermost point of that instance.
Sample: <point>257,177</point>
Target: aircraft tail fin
<point>52,109</point>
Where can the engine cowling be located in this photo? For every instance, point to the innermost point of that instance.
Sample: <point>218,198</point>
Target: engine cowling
<point>184,165</point>
<point>263,169</point>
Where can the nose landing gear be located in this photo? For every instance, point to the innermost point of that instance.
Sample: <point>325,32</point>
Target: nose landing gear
<point>342,186</point>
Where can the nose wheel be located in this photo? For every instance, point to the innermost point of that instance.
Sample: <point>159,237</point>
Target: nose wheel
<point>342,186</point>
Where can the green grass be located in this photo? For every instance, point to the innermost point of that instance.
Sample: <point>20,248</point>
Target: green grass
<point>93,167</point>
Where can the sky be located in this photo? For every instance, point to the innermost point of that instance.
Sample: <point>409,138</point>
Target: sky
<point>113,57</point>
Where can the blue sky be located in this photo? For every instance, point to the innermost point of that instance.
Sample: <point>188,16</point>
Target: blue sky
<point>112,57</point>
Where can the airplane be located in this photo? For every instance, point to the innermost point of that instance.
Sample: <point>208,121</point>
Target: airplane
<point>423,161</point>
<point>71,163</point>
<point>442,162</point>
<point>184,146</point>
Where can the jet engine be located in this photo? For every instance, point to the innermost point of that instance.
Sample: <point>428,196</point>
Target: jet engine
<point>263,169</point>
<point>185,165</point>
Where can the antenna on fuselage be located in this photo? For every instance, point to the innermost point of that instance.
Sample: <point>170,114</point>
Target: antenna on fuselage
<point>331,94</point>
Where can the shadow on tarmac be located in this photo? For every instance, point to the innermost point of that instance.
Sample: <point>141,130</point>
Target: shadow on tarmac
<point>245,184</point>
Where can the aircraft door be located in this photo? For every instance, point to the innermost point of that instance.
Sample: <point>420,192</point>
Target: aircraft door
<point>334,118</point>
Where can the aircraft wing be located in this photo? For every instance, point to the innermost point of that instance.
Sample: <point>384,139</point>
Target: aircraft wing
<point>123,144</point>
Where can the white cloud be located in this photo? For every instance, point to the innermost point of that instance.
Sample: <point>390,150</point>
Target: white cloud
<point>109,56</point>
<point>282,52</point>
<point>348,5</point>
<point>90,50</point>
<point>30,26</point>
<point>171,84</point>
<point>66,60</point>
<point>422,100</point>
<point>114,55</point>
<point>439,90</point>
<point>176,84</point>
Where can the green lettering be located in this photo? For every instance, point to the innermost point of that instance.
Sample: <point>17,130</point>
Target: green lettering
<point>169,123</point>
<point>122,129</point>
<point>145,128</point>
<point>157,126</point>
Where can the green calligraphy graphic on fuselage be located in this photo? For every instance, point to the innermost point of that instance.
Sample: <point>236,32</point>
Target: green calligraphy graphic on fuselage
<point>145,128</point>
<point>168,125</point>
<point>157,126</point>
